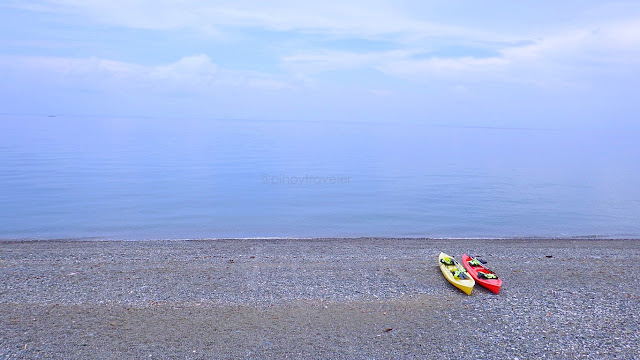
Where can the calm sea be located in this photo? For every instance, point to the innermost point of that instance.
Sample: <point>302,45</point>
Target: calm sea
<point>116,178</point>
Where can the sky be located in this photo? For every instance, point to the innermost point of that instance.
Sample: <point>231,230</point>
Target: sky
<point>463,63</point>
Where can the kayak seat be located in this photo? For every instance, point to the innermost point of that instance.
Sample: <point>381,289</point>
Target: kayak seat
<point>459,274</point>
<point>447,261</point>
<point>487,275</point>
<point>474,263</point>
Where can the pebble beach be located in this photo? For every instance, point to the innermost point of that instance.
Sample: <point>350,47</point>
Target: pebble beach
<point>365,298</point>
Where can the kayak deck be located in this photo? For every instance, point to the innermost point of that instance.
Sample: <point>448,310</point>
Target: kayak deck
<point>455,273</point>
<point>477,273</point>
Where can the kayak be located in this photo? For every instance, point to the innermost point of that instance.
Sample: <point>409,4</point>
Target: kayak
<point>455,273</point>
<point>482,274</point>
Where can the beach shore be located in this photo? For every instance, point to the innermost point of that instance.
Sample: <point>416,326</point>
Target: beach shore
<point>317,298</point>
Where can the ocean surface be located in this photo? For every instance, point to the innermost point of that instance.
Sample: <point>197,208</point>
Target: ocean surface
<point>148,178</point>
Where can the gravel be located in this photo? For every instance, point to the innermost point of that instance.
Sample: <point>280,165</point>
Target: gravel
<point>317,298</point>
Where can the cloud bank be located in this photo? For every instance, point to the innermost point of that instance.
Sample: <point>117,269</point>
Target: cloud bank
<point>379,48</point>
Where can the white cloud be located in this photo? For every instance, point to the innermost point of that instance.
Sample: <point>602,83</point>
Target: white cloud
<point>556,55</point>
<point>450,67</point>
<point>552,59</point>
<point>192,73</point>
<point>195,70</point>
<point>594,43</point>
<point>359,18</point>
<point>338,60</point>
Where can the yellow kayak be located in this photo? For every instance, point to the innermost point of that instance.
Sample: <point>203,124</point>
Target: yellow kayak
<point>455,273</point>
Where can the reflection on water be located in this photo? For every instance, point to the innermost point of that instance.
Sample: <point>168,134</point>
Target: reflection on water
<point>151,178</point>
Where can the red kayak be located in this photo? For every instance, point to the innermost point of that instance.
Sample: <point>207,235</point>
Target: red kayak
<point>481,274</point>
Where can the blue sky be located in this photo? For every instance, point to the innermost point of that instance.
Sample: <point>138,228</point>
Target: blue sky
<point>484,63</point>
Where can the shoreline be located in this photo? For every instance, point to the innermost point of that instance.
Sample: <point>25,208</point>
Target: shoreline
<point>318,298</point>
<point>329,238</point>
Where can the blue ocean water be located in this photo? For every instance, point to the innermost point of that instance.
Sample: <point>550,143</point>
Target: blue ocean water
<point>122,178</point>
